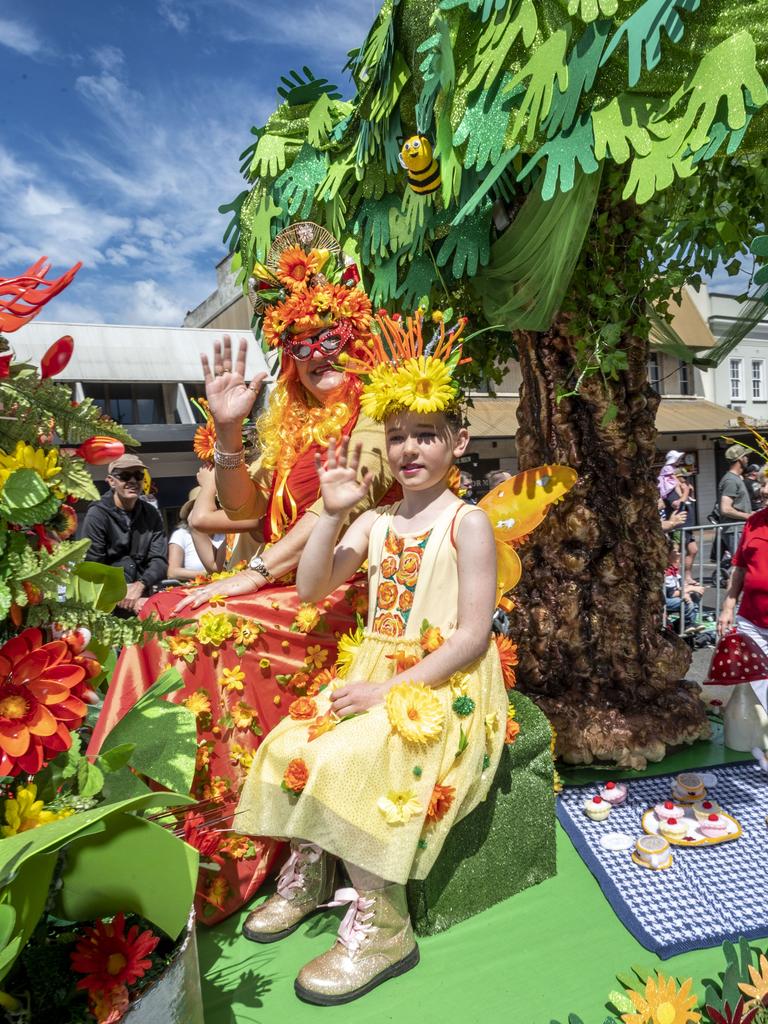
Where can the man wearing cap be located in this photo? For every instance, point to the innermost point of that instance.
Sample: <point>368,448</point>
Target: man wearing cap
<point>733,499</point>
<point>127,532</point>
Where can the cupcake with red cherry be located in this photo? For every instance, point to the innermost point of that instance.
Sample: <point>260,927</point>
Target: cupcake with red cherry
<point>669,809</point>
<point>714,826</point>
<point>597,809</point>
<point>703,808</point>
<point>673,828</point>
<point>614,793</point>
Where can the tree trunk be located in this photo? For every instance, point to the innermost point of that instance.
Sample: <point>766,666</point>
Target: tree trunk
<point>588,612</point>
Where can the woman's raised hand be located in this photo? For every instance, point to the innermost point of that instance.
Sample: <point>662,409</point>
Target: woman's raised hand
<point>339,486</point>
<point>230,399</point>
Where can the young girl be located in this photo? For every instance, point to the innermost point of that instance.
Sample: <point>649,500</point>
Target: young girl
<point>374,770</point>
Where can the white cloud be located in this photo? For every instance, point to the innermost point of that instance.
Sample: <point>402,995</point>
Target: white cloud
<point>108,58</point>
<point>175,15</point>
<point>21,37</point>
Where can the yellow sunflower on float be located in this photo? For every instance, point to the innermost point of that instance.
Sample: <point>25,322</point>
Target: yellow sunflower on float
<point>295,267</point>
<point>24,812</point>
<point>379,393</point>
<point>24,456</point>
<point>424,384</point>
<point>415,712</point>
<point>663,1003</point>
<point>274,325</point>
<point>346,651</point>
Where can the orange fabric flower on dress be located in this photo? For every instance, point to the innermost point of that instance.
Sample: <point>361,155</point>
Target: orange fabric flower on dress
<point>431,639</point>
<point>403,659</point>
<point>513,728</point>
<point>405,600</point>
<point>393,544</point>
<point>410,563</point>
<point>322,724</point>
<point>40,705</point>
<point>296,267</point>
<point>386,596</point>
<point>388,567</point>
<point>388,625</point>
<point>109,956</point>
<point>323,678</point>
<point>302,709</point>
<point>440,802</point>
<point>508,658</point>
<point>296,775</point>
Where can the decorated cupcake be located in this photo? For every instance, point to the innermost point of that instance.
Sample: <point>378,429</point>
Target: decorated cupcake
<point>703,808</point>
<point>673,828</point>
<point>597,809</point>
<point>614,792</point>
<point>669,809</point>
<point>713,826</point>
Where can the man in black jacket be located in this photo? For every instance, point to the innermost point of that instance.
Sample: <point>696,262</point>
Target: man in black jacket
<point>127,532</point>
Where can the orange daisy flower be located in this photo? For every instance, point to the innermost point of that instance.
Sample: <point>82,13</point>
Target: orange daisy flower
<point>440,802</point>
<point>205,441</point>
<point>322,724</point>
<point>508,658</point>
<point>431,639</point>
<point>296,267</point>
<point>403,659</point>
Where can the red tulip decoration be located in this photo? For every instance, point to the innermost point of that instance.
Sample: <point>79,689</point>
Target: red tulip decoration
<point>98,451</point>
<point>22,297</point>
<point>57,357</point>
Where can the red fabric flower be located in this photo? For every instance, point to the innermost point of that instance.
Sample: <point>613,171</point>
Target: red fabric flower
<point>109,956</point>
<point>40,690</point>
<point>203,839</point>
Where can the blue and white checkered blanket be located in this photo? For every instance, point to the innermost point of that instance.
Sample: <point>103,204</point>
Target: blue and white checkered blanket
<point>710,893</point>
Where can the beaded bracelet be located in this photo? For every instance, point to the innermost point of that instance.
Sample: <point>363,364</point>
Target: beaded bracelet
<point>228,460</point>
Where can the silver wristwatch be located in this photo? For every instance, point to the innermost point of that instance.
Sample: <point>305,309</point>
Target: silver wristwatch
<point>257,564</point>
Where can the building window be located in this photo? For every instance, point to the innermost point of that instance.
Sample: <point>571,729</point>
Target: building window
<point>684,375</point>
<point>737,381</point>
<point>758,380</point>
<point>654,372</point>
<point>128,403</point>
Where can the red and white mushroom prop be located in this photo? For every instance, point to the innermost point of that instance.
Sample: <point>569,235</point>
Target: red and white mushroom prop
<point>737,660</point>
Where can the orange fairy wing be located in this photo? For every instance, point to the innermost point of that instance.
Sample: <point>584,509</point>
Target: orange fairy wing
<point>508,569</point>
<point>517,506</point>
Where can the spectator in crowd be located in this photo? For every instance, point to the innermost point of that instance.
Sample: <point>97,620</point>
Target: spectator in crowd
<point>243,536</point>
<point>127,532</point>
<point>192,553</point>
<point>498,476</point>
<point>467,487</point>
<point>753,485</point>
<point>677,497</point>
<point>680,596</point>
<point>749,582</point>
<point>675,520</point>
<point>734,501</point>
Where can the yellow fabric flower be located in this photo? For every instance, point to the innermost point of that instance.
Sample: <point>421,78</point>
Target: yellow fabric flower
<point>214,628</point>
<point>415,712</point>
<point>663,1003</point>
<point>217,599</point>
<point>459,682</point>
<point>306,618</point>
<point>24,812</point>
<point>24,456</point>
<point>243,716</point>
<point>346,651</point>
<point>398,807</point>
<point>238,755</point>
<point>316,656</point>
<point>425,385</point>
<point>198,703</point>
<point>380,392</point>
<point>181,646</point>
<point>491,724</point>
<point>247,632</point>
<point>233,678</point>
<point>759,988</point>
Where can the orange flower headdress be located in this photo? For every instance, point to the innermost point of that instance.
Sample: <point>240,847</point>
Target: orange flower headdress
<point>308,284</point>
<point>400,371</point>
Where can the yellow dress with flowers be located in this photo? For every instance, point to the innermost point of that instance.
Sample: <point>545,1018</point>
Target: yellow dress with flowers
<point>382,789</point>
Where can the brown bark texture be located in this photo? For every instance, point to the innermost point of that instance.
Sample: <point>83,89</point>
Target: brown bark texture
<point>588,610</point>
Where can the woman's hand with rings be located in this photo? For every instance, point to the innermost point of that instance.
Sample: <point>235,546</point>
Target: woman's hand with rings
<point>230,399</point>
<point>243,583</point>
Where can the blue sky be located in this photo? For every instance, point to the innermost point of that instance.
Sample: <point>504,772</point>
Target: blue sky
<point>120,131</point>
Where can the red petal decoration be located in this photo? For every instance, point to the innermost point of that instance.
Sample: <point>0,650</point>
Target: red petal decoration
<point>57,357</point>
<point>22,298</point>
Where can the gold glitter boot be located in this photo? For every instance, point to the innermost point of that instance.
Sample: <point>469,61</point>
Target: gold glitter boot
<point>375,943</point>
<point>306,881</point>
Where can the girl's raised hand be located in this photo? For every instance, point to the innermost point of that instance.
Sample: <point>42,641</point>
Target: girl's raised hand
<point>339,486</point>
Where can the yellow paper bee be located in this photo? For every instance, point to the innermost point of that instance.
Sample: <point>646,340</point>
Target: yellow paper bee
<point>423,170</point>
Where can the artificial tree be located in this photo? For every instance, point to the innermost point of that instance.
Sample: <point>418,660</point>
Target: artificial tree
<point>594,155</point>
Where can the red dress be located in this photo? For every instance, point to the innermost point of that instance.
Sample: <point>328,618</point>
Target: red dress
<point>250,657</point>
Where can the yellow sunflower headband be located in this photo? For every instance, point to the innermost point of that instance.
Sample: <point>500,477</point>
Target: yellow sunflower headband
<point>307,284</point>
<point>401,372</point>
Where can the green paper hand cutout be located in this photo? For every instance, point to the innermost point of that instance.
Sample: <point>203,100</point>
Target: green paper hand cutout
<point>259,216</point>
<point>298,90</point>
<point>437,70</point>
<point>372,225</point>
<point>270,157</point>
<point>546,66</point>
<point>562,154</point>
<point>719,132</point>
<point>468,244</point>
<point>384,285</point>
<point>583,62</point>
<point>588,10</point>
<point>658,169</point>
<point>723,74</point>
<point>377,48</point>
<point>296,186</point>
<point>335,178</point>
<point>483,128</point>
<point>620,128</point>
<point>496,41</point>
<point>488,6</point>
<point>320,122</point>
<point>643,31</point>
<point>418,281</point>
<point>384,102</point>
<point>759,248</point>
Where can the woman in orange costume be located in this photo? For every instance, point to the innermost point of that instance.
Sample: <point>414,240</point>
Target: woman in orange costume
<point>256,649</point>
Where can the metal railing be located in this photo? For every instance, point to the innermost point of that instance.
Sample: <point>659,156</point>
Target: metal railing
<point>709,566</point>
